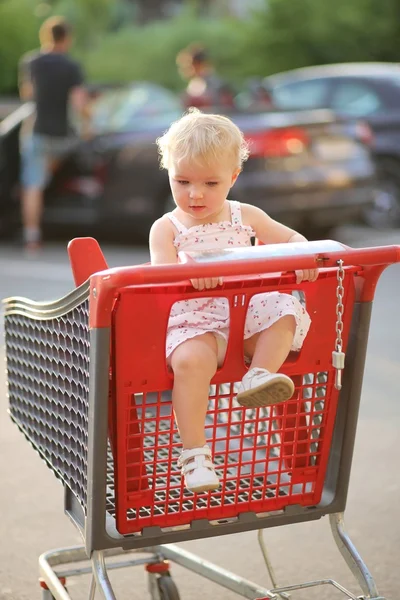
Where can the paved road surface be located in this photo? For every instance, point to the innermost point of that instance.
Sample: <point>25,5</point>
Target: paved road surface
<point>31,499</point>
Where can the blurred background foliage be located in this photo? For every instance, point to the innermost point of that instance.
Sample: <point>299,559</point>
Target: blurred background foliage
<point>124,40</point>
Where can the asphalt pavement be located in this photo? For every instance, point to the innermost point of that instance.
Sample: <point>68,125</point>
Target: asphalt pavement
<point>31,500</point>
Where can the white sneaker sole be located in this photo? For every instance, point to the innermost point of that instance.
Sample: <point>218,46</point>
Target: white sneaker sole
<point>276,390</point>
<point>203,487</point>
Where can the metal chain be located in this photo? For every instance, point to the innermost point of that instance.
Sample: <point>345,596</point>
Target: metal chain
<point>339,306</point>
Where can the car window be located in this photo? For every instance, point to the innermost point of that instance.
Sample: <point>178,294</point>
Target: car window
<point>130,109</point>
<point>301,94</point>
<point>355,98</point>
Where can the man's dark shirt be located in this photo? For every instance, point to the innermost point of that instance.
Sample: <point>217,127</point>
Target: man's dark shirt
<point>53,75</point>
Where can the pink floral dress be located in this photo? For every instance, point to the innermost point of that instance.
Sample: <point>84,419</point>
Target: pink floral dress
<point>194,317</point>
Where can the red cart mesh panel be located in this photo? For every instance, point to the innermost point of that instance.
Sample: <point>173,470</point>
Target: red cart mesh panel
<point>266,458</point>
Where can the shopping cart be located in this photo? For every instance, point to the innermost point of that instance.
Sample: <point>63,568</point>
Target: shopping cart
<point>89,387</point>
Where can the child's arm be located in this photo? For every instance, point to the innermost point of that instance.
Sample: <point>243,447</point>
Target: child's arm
<point>161,243</point>
<point>269,231</point>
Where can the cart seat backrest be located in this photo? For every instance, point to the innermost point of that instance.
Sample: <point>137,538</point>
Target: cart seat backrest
<point>85,258</point>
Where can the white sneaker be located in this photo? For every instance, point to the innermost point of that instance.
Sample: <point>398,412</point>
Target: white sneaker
<point>259,387</point>
<point>198,469</point>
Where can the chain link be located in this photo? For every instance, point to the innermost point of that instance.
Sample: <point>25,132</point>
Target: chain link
<point>339,306</point>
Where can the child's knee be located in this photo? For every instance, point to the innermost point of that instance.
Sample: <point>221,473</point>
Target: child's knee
<point>195,356</point>
<point>185,362</point>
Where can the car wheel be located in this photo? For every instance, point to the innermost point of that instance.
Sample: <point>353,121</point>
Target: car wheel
<point>385,212</point>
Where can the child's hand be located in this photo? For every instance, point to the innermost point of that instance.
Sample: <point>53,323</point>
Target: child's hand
<point>207,283</point>
<point>306,275</point>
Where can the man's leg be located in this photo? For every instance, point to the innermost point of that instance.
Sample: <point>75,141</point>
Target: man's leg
<point>32,209</point>
<point>34,175</point>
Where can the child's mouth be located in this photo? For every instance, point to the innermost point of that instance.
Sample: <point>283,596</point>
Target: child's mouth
<point>197,208</point>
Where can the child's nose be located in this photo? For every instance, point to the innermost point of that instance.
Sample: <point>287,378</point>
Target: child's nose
<point>196,192</point>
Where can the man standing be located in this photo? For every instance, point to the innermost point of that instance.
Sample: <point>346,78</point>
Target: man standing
<point>54,82</point>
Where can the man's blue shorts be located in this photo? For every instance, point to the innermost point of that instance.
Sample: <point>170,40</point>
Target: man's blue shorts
<point>37,154</point>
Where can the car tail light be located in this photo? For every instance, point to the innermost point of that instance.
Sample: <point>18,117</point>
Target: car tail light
<point>364,133</point>
<point>278,142</point>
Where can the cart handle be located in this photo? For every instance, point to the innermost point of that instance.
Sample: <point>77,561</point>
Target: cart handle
<point>172,273</point>
<point>297,257</point>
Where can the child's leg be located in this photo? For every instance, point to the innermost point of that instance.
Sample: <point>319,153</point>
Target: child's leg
<point>262,385</point>
<point>270,348</point>
<point>194,363</point>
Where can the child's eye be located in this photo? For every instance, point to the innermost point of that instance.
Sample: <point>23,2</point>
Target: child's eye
<point>182,181</point>
<point>212,183</point>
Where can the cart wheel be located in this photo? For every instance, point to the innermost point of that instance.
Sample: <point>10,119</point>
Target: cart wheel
<point>167,588</point>
<point>46,593</point>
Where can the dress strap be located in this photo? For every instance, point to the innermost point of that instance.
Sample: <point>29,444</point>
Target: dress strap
<point>181,228</point>
<point>236,212</point>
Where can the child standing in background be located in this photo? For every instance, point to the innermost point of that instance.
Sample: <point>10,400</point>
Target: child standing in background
<point>203,154</point>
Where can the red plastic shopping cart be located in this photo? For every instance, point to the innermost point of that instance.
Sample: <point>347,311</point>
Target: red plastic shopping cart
<point>89,386</point>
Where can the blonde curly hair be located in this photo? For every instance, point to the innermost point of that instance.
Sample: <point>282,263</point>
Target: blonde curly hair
<point>203,138</point>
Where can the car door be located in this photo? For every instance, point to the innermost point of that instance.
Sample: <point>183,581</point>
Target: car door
<point>114,179</point>
<point>135,183</point>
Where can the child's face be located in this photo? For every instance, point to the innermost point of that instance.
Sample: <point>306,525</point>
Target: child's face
<point>200,190</point>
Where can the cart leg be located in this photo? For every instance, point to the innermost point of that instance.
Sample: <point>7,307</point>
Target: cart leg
<point>101,577</point>
<point>351,556</point>
<point>269,566</point>
<point>92,590</point>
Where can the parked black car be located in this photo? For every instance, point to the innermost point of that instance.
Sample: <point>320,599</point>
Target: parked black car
<point>306,168</point>
<point>367,91</point>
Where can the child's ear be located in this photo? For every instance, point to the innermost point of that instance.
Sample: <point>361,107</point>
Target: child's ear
<point>235,175</point>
